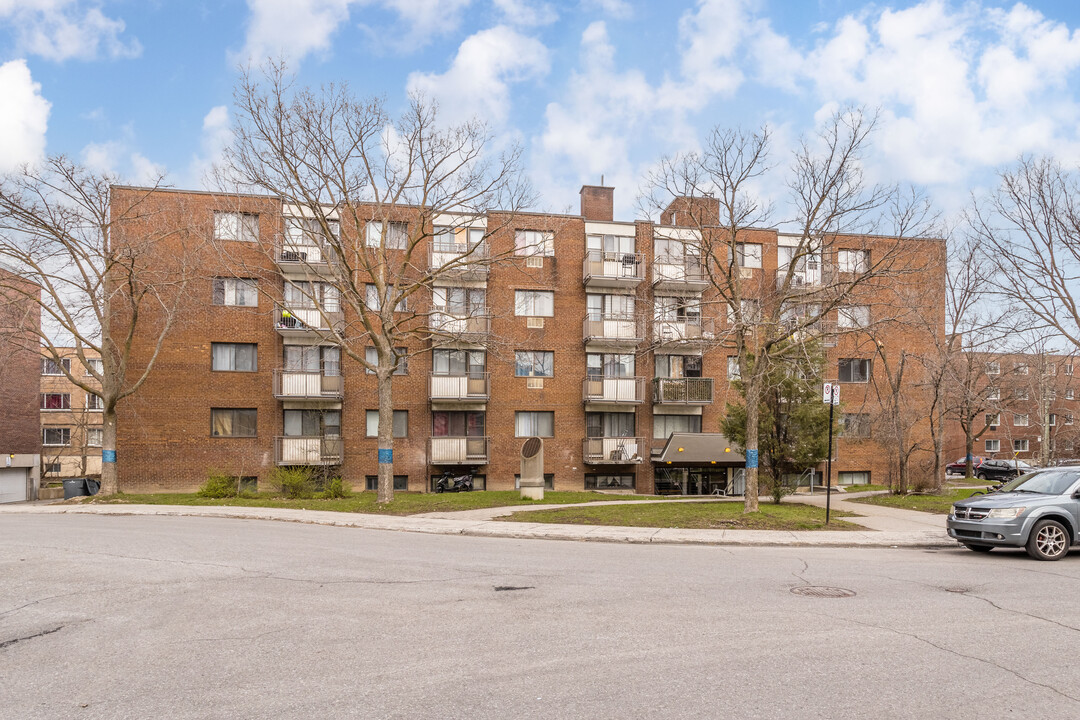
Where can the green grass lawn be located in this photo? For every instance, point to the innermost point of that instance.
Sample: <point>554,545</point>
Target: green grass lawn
<point>863,488</point>
<point>404,503</point>
<point>940,504</point>
<point>718,515</point>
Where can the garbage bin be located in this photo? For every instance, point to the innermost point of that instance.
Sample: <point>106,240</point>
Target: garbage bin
<point>75,487</point>
<point>92,486</point>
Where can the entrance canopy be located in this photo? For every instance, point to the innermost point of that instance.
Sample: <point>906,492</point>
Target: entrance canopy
<point>712,449</point>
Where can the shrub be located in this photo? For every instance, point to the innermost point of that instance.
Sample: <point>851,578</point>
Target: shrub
<point>294,483</point>
<point>336,489</point>
<point>218,485</point>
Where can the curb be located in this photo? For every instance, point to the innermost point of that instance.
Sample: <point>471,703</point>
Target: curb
<point>522,530</point>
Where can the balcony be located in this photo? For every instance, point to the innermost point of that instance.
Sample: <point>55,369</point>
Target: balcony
<point>613,450</point>
<point>469,387</point>
<point>809,278</point>
<point>612,329</point>
<point>686,330</point>
<point>307,385</point>
<point>307,322</point>
<point>464,326</point>
<point>682,274</point>
<point>621,390</point>
<point>308,450</point>
<point>682,391</point>
<point>457,261</point>
<point>301,259</point>
<point>458,450</point>
<point>603,269</point>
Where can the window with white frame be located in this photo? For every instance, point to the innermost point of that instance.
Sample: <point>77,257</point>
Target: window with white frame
<point>54,468</point>
<point>234,357</point>
<point>610,244</point>
<point>534,303</point>
<point>665,425</point>
<point>93,437</point>
<point>1020,368</point>
<point>993,393</point>
<point>371,355</point>
<point>1070,394</point>
<point>1068,368</point>
<point>397,235</point>
<point>400,423</point>
<point>94,403</point>
<point>457,240</point>
<point>460,301</point>
<point>94,364</point>
<point>1020,393</point>
<point>992,446</point>
<point>55,401</point>
<point>993,368</point>
<point>993,420</point>
<point>853,261</point>
<point>534,363</point>
<point>534,243</point>
<point>374,302</point>
<point>239,292</point>
<point>861,477</point>
<point>748,255</point>
<point>56,436</point>
<point>1068,419</point>
<point>733,367</point>
<point>236,226</point>
<point>1052,420</point>
<point>854,370</point>
<point>1020,419</point>
<point>49,366</point>
<point>853,316</point>
<point>309,231</point>
<point>1020,445</point>
<point>534,423</point>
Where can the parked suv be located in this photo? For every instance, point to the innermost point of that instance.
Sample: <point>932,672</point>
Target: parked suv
<point>1039,511</point>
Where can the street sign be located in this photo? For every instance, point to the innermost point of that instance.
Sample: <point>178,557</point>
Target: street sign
<point>826,393</point>
<point>836,394</point>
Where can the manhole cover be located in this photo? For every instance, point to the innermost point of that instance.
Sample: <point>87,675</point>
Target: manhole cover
<point>822,592</point>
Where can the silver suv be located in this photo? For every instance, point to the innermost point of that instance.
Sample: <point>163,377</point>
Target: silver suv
<point>1039,511</point>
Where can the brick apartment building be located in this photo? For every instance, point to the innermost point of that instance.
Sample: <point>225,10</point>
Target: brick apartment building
<point>600,336</point>
<point>70,419</point>
<point>20,440</point>
<point>1032,409</point>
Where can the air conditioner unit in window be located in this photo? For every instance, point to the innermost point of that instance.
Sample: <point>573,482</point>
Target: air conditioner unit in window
<point>534,261</point>
<point>534,383</point>
<point>534,322</point>
<point>293,256</point>
<point>745,272</point>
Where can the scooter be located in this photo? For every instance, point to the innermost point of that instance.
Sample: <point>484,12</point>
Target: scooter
<point>451,483</point>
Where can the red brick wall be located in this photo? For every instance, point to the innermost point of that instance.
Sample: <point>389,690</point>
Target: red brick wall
<point>20,367</point>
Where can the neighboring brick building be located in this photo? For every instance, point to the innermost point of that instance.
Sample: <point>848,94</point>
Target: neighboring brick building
<point>601,337</point>
<point>70,419</point>
<point>20,438</point>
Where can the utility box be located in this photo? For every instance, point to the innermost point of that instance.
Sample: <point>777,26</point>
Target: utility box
<point>532,469</point>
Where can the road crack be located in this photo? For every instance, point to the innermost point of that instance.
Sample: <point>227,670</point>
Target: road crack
<point>43,633</point>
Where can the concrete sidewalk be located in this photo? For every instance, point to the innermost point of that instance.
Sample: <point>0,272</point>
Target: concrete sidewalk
<point>479,527</point>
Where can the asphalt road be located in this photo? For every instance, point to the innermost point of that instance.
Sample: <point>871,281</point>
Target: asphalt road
<point>155,617</point>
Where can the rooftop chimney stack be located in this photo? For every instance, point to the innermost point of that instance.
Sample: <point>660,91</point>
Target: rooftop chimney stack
<point>598,202</point>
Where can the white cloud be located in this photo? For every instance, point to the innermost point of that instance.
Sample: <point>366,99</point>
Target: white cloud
<point>216,136</point>
<point>523,12</point>
<point>618,9</point>
<point>116,157</point>
<point>477,83</point>
<point>24,116</point>
<point>64,29</point>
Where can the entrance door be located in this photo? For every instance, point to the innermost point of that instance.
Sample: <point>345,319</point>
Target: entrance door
<point>12,485</point>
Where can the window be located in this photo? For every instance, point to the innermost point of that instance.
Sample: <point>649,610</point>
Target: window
<point>458,423</point>
<point>855,425</point>
<point>1070,394</point>
<point>1020,420</point>
<point>401,482</point>
<point>312,423</point>
<point>56,436</point>
<point>94,402</point>
<point>534,303</point>
<point>93,437</point>
<point>1068,368</point>
<point>665,425</point>
<point>534,363</point>
<point>1051,394</point>
<point>733,368</point>
<point>613,424</point>
<point>234,357</point>
<point>460,301</point>
<point>371,355</point>
<point>53,468</point>
<point>992,446</point>
<point>459,363</point>
<point>993,393</point>
<point>401,423</point>
<point>993,420</point>
<point>309,231</point>
<point>241,292</point>
<point>1068,419</point>
<point>1020,393</point>
<point>993,368</point>
<point>1020,445</point>
<point>1052,420</point>
<point>853,478</point>
<point>325,359</point>
<point>534,423</point>
<point>230,422</point>
<point>748,255</point>
<point>609,482</point>
<point>1020,368</point>
<point>397,235</point>
<point>457,240</point>
<point>600,306</point>
<point>853,261</point>
<point>49,366</point>
<point>854,370</point>
<point>95,365</point>
<point>610,244</point>
<point>303,294</point>
<point>534,242</point>
<point>678,366</point>
<point>549,481</point>
<point>55,401</point>
<point>374,302</point>
<point>236,226</point>
<point>853,316</point>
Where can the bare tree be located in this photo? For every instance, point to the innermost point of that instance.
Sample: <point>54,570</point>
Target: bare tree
<point>714,191</point>
<point>59,227</point>
<point>394,207</point>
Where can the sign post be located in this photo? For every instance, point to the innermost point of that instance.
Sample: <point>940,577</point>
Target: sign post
<point>830,395</point>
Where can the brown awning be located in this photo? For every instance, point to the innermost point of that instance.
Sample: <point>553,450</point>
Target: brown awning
<point>700,449</point>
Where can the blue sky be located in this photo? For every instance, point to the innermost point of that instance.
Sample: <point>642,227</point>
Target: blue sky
<point>589,87</point>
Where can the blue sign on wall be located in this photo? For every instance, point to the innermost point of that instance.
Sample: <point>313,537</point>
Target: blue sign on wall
<point>751,458</point>
<point>108,456</point>
<point>386,456</point>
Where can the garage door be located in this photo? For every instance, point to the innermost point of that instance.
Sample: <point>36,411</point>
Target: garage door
<point>12,484</point>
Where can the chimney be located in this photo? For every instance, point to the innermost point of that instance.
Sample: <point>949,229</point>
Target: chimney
<point>692,212</point>
<point>598,202</point>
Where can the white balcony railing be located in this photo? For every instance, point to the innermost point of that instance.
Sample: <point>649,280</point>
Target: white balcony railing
<point>465,387</point>
<point>458,450</point>
<point>613,389</point>
<point>444,323</point>
<point>683,330</point>
<point>297,384</point>
<point>613,450</point>
<point>458,260</point>
<point>609,269</point>
<point>299,319</point>
<point>676,271</point>
<point>308,450</point>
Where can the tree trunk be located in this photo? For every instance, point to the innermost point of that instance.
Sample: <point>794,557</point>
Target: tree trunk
<point>753,402</point>
<point>110,481</point>
<point>939,452</point>
<point>386,433</point>
<point>969,446</point>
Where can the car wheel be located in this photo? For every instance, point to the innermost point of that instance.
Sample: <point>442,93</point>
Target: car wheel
<point>979,548</point>
<point>1049,540</point>
<point>981,476</point>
